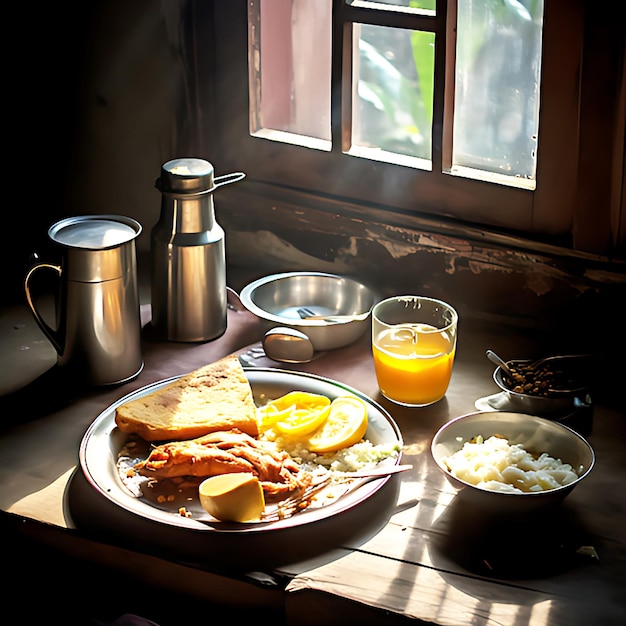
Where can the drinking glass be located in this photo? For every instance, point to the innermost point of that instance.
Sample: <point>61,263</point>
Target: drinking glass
<point>413,344</point>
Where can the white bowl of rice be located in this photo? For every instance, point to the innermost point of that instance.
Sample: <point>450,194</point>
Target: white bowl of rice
<point>512,462</point>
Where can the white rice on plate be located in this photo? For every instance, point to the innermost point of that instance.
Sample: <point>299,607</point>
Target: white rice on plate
<point>361,455</point>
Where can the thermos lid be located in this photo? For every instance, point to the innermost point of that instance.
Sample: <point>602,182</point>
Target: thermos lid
<point>186,175</point>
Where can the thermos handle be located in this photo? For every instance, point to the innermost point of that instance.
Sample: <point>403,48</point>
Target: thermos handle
<point>47,330</point>
<point>226,179</point>
<point>218,181</point>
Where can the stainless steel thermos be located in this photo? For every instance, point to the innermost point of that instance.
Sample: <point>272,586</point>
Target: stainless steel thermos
<point>188,254</point>
<point>98,326</point>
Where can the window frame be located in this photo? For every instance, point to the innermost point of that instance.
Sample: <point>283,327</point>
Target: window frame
<point>555,212</point>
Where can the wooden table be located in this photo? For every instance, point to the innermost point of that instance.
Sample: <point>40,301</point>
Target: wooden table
<point>410,552</point>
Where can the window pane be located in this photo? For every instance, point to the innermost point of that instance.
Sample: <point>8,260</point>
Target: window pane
<point>392,93</point>
<point>289,61</point>
<point>498,64</point>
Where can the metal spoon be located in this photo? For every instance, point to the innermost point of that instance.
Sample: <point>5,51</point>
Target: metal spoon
<point>557,357</point>
<point>534,365</point>
<point>553,361</point>
<point>288,345</point>
<point>307,314</point>
<point>494,358</point>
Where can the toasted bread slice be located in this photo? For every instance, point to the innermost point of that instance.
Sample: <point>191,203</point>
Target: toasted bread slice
<point>215,397</point>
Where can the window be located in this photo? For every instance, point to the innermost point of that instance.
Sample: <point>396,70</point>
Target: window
<point>331,116</point>
<point>390,103</point>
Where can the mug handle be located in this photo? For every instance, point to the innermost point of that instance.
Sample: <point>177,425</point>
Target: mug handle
<point>47,330</point>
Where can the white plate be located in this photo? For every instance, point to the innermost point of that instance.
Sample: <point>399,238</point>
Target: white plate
<point>103,441</point>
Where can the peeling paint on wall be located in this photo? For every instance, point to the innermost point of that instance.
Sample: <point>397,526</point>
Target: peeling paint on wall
<point>409,242</point>
<point>496,279</point>
<point>276,254</point>
<point>540,285</point>
<point>350,251</point>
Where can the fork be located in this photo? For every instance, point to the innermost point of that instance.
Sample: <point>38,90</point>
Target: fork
<point>300,501</point>
<point>249,357</point>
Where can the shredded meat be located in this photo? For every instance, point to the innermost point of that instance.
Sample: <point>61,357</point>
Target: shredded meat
<point>225,452</point>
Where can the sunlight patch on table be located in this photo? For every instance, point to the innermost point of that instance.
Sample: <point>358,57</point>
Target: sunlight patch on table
<point>540,614</point>
<point>49,500</point>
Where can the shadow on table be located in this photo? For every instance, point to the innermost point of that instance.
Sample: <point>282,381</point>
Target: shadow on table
<point>58,388</point>
<point>539,545</point>
<point>230,552</point>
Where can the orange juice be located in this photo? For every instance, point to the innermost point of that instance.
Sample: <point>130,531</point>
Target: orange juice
<point>413,363</point>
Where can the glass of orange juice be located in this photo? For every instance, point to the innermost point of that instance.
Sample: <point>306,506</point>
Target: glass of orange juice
<point>413,344</point>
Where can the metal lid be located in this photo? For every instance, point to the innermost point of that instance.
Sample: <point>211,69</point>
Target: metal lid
<point>186,176</point>
<point>97,247</point>
<point>94,232</point>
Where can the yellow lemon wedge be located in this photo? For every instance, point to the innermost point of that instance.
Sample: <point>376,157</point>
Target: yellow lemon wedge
<point>345,425</point>
<point>233,497</point>
<point>303,421</point>
<point>300,400</point>
<point>296,413</point>
<point>269,414</point>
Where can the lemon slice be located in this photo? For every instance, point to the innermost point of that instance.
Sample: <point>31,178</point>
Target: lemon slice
<point>269,414</point>
<point>345,425</point>
<point>300,400</point>
<point>303,421</point>
<point>296,413</point>
<point>234,497</point>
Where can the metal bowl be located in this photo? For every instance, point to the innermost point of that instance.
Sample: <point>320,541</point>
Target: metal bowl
<point>283,300</point>
<point>536,434</point>
<point>544,406</point>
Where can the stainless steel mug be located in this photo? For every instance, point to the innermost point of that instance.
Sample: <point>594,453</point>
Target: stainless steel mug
<point>98,324</point>
<point>188,254</point>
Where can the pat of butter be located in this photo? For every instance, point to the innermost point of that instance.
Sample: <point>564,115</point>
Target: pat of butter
<point>233,497</point>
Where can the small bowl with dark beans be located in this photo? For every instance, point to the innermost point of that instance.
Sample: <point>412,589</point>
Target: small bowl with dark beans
<point>548,387</point>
